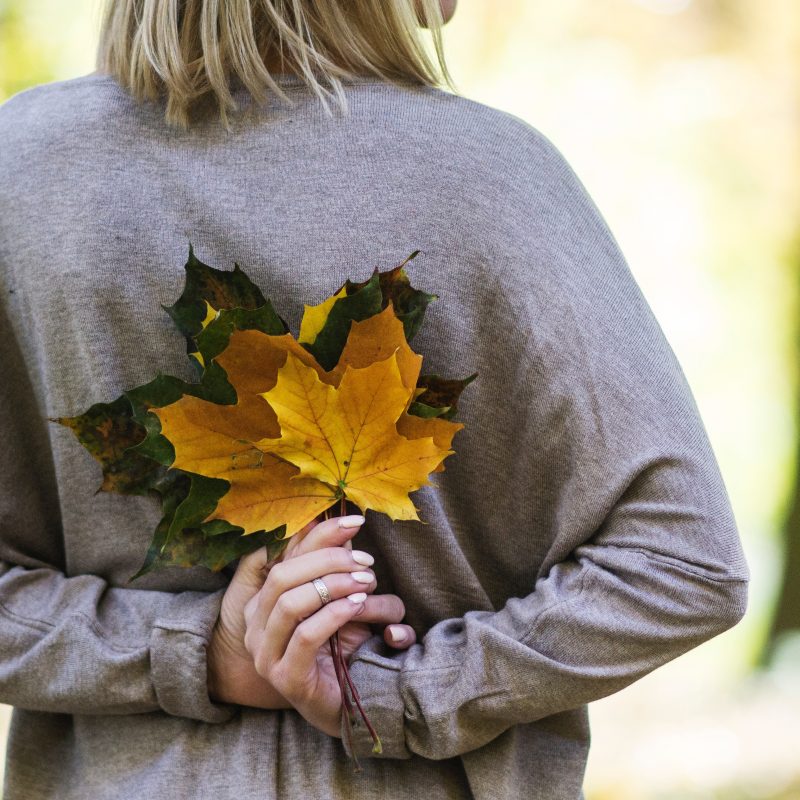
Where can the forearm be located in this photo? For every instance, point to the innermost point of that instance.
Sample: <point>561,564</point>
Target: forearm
<point>588,630</point>
<point>655,569</point>
<point>75,645</point>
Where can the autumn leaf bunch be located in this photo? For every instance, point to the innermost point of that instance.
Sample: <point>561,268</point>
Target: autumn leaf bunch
<point>277,430</point>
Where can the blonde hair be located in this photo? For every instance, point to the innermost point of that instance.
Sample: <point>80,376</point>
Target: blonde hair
<point>193,52</point>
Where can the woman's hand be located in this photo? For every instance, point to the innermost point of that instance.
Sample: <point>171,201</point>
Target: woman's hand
<point>331,534</point>
<point>232,677</point>
<point>288,628</point>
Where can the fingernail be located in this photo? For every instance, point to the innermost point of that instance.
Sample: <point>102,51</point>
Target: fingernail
<point>360,557</point>
<point>396,634</point>
<point>362,577</point>
<point>358,597</point>
<point>351,522</point>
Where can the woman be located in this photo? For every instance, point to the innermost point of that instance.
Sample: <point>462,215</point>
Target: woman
<point>580,537</point>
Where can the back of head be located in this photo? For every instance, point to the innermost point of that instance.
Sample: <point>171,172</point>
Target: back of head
<point>193,53</point>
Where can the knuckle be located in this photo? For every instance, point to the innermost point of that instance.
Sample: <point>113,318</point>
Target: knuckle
<point>250,608</point>
<point>277,577</point>
<point>262,663</point>
<point>286,605</point>
<point>277,676</point>
<point>304,635</point>
<point>335,558</point>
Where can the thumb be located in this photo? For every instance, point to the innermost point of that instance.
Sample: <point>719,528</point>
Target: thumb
<point>252,569</point>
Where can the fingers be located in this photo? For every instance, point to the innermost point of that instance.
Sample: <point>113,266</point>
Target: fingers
<point>313,633</point>
<point>382,609</point>
<point>296,605</point>
<point>329,533</point>
<point>252,569</point>
<point>286,575</point>
<point>400,637</point>
<point>296,540</point>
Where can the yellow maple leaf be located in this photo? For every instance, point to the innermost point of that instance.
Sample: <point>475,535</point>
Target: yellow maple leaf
<point>266,490</point>
<point>442,430</point>
<point>372,339</point>
<point>346,436</point>
<point>217,441</point>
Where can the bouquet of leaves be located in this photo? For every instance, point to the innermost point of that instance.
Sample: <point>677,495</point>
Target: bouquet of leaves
<point>277,430</point>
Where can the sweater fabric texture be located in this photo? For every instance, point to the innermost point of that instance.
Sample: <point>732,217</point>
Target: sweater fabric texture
<point>580,536</point>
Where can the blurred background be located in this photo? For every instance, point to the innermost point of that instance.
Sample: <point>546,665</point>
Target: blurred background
<point>682,119</point>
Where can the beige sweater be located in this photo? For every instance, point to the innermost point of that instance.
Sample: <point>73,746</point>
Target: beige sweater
<point>579,537</point>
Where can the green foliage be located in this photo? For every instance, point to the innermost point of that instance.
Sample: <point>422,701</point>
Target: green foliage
<point>359,303</point>
<point>125,438</point>
<point>440,398</point>
<point>218,289</point>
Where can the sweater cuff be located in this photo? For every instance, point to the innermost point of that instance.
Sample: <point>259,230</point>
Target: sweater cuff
<point>377,680</point>
<point>178,664</point>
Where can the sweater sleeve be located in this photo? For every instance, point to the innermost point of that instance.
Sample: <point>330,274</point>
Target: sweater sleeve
<point>609,424</point>
<point>76,645</point>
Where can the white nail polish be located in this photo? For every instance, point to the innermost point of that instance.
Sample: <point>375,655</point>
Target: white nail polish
<point>351,522</point>
<point>360,557</point>
<point>396,634</point>
<point>358,597</point>
<point>362,577</point>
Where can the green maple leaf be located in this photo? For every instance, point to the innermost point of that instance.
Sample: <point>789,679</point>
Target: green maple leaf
<point>409,303</point>
<point>221,289</point>
<point>355,302</point>
<point>440,397</point>
<point>363,302</point>
<point>181,539</point>
<point>109,431</point>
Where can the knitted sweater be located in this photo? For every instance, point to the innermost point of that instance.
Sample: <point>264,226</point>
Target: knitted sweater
<point>580,536</point>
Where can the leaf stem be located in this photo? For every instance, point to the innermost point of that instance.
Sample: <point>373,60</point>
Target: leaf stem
<point>346,682</point>
<point>377,747</point>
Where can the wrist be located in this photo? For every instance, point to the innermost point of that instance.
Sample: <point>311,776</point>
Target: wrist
<point>213,673</point>
<point>232,678</point>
